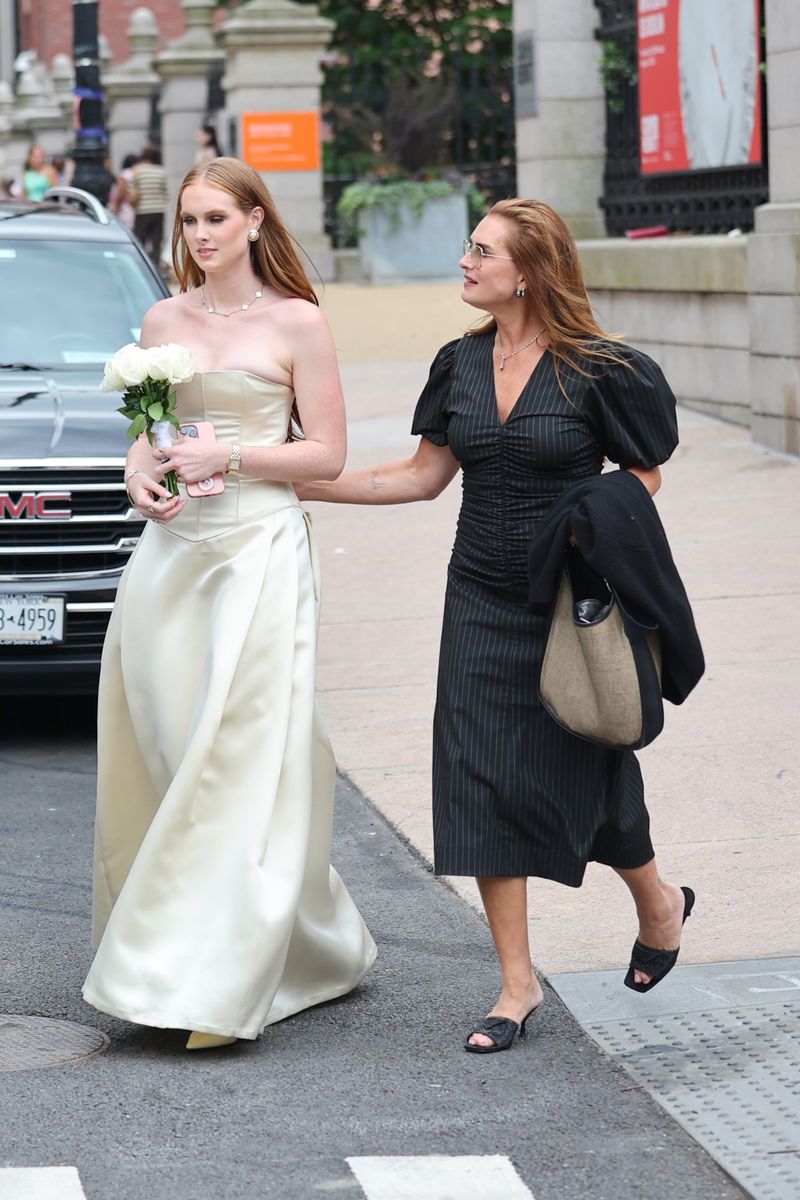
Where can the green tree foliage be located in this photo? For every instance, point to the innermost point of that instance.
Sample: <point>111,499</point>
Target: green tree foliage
<point>410,82</point>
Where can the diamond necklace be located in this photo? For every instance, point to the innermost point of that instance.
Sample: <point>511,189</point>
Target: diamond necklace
<point>504,356</point>
<point>240,308</point>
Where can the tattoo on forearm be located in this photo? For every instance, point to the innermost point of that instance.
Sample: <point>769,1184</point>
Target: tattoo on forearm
<point>375,481</point>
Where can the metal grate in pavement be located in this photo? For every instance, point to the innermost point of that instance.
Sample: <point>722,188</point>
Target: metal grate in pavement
<point>27,1043</point>
<point>728,1072</point>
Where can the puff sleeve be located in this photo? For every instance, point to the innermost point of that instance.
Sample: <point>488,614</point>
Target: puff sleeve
<point>631,410</point>
<point>431,415</point>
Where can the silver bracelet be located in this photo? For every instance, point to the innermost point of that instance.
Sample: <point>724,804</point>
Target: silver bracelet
<point>126,480</point>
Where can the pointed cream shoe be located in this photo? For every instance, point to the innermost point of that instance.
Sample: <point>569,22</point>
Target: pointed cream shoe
<point>208,1041</point>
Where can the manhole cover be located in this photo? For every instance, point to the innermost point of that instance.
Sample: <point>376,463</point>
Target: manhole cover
<point>30,1042</point>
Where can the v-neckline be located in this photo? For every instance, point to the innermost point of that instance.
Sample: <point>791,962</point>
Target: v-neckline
<point>526,384</point>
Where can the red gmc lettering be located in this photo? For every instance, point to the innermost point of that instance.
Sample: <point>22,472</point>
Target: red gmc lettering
<point>42,506</point>
<point>11,510</point>
<point>45,502</point>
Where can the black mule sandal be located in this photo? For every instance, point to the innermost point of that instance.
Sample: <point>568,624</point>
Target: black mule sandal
<point>502,1031</point>
<point>655,963</point>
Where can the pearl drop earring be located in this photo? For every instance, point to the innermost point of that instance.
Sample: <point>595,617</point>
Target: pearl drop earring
<point>520,292</point>
<point>253,235</point>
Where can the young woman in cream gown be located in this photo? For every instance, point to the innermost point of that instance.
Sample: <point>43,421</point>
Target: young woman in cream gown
<point>216,909</point>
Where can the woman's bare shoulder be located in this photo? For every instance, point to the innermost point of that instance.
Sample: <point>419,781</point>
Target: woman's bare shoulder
<point>160,318</point>
<point>298,315</point>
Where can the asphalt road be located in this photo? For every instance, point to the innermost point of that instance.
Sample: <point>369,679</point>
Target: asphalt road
<point>381,1072</point>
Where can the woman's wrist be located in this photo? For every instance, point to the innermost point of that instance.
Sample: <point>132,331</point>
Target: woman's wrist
<point>232,461</point>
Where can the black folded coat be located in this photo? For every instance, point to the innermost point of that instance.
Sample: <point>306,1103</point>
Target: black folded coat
<point>620,535</point>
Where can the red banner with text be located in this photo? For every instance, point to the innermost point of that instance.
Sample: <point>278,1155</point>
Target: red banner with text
<point>699,84</point>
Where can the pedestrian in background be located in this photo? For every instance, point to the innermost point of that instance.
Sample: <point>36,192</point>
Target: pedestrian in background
<point>124,192</point>
<point>207,145</point>
<point>527,404</point>
<point>150,199</point>
<point>38,176</point>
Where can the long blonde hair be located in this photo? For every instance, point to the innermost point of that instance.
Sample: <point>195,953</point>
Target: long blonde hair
<point>545,252</point>
<point>273,256</point>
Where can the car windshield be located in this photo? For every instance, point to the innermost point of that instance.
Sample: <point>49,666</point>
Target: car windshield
<point>70,303</point>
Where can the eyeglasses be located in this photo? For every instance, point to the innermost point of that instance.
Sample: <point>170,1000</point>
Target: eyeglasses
<point>477,254</point>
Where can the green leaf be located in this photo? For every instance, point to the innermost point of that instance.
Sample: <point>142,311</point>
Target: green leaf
<point>173,420</point>
<point>138,425</point>
<point>155,412</point>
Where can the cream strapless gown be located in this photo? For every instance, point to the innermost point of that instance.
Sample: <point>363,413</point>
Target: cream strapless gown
<point>215,904</point>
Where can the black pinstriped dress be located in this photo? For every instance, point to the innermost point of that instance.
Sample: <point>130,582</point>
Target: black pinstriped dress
<point>513,793</point>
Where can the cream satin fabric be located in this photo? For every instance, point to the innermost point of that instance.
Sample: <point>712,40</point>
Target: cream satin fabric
<point>215,905</point>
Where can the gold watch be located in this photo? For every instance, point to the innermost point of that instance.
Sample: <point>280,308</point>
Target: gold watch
<point>234,462</point>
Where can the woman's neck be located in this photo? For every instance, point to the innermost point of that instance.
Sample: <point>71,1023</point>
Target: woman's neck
<point>514,328</point>
<point>231,291</point>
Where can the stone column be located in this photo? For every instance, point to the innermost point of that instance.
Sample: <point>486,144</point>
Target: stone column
<point>38,117</point>
<point>560,149</point>
<point>63,78</point>
<point>773,250</point>
<point>7,167</point>
<point>130,88</point>
<point>183,68</point>
<point>272,55</point>
<point>7,8</point>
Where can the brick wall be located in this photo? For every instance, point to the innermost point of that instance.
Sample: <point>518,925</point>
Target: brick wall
<point>46,25</point>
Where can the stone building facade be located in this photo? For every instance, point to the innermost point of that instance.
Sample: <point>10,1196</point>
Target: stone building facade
<point>722,314</point>
<point>46,25</point>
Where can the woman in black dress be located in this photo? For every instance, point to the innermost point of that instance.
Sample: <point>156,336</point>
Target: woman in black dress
<point>527,404</point>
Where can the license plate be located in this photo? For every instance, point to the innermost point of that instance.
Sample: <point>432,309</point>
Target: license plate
<point>25,619</point>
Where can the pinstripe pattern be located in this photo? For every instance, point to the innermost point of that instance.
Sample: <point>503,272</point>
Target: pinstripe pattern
<point>513,793</point>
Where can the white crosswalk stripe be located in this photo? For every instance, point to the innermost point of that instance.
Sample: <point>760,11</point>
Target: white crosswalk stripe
<point>40,1183</point>
<point>439,1177</point>
<point>422,1177</point>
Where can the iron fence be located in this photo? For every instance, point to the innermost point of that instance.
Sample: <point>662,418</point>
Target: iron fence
<point>709,201</point>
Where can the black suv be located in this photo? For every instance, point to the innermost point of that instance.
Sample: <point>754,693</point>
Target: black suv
<point>74,286</point>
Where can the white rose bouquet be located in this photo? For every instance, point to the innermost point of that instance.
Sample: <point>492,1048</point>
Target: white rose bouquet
<point>146,379</point>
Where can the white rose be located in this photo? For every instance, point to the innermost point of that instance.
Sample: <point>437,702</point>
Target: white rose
<point>112,380</point>
<point>130,364</point>
<point>171,362</point>
<point>159,365</point>
<point>181,365</point>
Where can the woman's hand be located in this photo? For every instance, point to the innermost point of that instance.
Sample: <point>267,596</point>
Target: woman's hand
<point>192,459</point>
<point>150,499</point>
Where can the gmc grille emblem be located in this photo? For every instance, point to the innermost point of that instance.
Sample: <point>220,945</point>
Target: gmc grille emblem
<point>35,506</point>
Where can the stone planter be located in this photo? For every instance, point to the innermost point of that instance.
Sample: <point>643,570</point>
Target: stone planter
<point>424,247</point>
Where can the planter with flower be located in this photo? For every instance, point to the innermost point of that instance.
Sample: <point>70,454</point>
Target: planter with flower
<point>412,213</point>
<point>409,228</point>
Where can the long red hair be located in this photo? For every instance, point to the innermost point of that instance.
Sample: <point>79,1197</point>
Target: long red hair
<point>275,260</point>
<point>273,256</point>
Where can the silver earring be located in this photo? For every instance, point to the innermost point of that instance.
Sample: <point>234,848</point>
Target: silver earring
<point>253,235</point>
<point>520,292</point>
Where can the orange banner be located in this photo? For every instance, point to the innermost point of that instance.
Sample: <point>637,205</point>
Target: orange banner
<point>281,141</point>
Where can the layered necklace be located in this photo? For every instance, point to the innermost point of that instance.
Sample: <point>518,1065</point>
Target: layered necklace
<point>514,353</point>
<point>239,308</point>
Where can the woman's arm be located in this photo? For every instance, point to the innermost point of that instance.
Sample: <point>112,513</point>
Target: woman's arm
<point>650,478</point>
<point>422,477</point>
